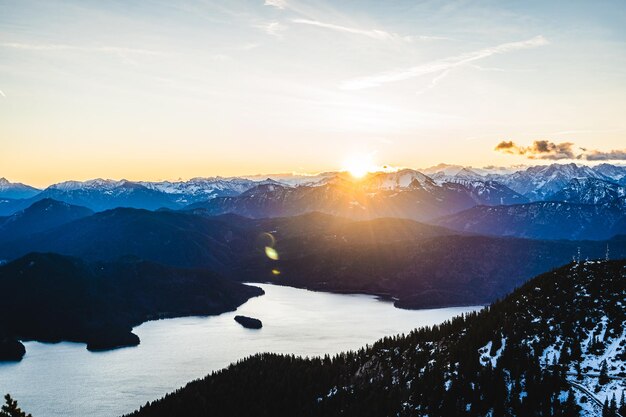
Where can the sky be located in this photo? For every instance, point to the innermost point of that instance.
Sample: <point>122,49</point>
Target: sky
<point>177,89</point>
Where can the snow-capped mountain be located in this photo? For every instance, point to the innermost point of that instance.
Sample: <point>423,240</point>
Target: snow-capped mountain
<point>443,169</point>
<point>291,178</point>
<point>103,194</point>
<point>95,184</point>
<point>539,182</point>
<point>16,190</point>
<point>405,178</point>
<point>404,194</point>
<point>615,172</point>
<point>200,189</point>
<point>464,174</point>
<point>589,191</point>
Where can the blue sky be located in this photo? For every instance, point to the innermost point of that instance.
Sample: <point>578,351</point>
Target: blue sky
<point>166,89</point>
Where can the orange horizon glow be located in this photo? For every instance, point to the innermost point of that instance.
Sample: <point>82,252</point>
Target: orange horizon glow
<point>262,90</point>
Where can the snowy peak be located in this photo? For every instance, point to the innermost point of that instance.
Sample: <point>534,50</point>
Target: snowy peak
<point>98,183</point>
<point>202,187</point>
<point>16,190</point>
<point>616,173</point>
<point>468,175</point>
<point>539,182</point>
<point>405,178</point>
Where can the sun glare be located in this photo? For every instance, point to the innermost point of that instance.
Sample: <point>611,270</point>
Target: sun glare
<point>359,165</point>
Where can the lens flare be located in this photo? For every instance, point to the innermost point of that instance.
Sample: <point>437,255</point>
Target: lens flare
<point>271,253</point>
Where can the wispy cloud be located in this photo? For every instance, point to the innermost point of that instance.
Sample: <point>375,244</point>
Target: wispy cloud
<point>2,94</point>
<point>272,28</point>
<point>279,4</point>
<point>439,66</point>
<point>370,33</point>
<point>614,155</point>
<point>64,47</point>
<point>433,83</point>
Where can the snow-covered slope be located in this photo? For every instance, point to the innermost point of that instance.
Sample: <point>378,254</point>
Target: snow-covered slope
<point>200,189</point>
<point>538,182</point>
<point>589,191</point>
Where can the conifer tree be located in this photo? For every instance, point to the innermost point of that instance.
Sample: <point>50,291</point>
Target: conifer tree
<point>10,408</point>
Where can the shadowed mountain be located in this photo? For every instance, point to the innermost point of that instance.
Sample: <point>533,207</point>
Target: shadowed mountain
<point>422,273</point>
<point>541,220</point>
<point>192,239</point>
<point>554,347</point>
<point>99,303</point>
<point>421,265</point>
<point>168,237</point>
<point>40,216</point>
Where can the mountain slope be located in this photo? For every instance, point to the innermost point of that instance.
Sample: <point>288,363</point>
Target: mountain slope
<point>99,303</point>
<point>538,352</point>
<point>540,220</point>
<point>589,191</point>
<point>40,216</point>
<point>193,239</point>
<point>168,237</point>
<point>422,273</point>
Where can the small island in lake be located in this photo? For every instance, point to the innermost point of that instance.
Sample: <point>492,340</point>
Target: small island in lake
<point>249,322</point>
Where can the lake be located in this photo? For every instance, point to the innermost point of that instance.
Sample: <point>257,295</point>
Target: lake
<point>64,379</point>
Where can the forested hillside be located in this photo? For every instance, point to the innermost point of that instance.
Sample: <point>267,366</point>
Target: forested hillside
<point>555,347</point>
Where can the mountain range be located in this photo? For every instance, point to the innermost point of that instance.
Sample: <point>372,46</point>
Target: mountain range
<point>461,198</point>
<point>416,264</point>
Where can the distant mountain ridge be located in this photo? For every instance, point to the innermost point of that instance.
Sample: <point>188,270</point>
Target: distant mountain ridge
<point>448,190</point>
<point>102,194</point>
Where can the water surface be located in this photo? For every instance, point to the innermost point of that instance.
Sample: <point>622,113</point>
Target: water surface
<point>65,379</point>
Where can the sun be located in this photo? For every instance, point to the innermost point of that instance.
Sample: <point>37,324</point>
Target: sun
<point>359,165</point>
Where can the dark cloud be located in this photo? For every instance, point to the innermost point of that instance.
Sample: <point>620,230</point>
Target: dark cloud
<point>506,146</point>
<point>545,149</point>
<point>614,155</point>
<point>540,149</point>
